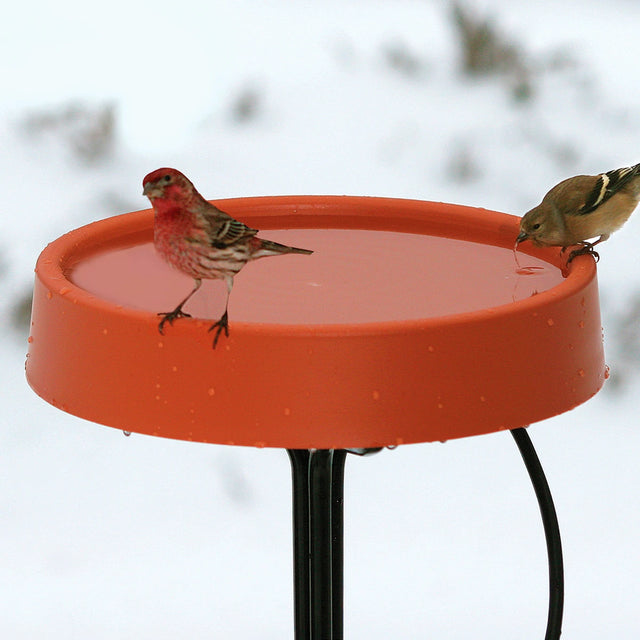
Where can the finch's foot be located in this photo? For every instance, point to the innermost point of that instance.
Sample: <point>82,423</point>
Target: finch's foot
<point>587,248</point>
<point>220,326</point>
<point>170,316</point>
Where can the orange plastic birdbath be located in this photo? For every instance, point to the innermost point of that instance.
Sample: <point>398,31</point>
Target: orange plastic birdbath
<point>410,323</point>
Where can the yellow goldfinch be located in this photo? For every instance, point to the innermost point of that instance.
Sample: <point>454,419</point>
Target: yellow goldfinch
<point>583,207</point>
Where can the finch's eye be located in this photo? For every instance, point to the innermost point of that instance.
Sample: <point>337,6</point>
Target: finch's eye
<point>536,226</point>
<point>167,178</point>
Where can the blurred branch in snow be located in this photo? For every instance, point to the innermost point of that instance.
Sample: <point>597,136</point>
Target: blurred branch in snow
<point>463,166</point>
<point>486,52</point>
<point>88,131</point>
<point>247,104</point>
<point>624,338</point>
<point>20,313</point>
<point>399,57</point>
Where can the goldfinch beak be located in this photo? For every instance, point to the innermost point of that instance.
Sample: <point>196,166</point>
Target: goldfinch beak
<point>521,236</point>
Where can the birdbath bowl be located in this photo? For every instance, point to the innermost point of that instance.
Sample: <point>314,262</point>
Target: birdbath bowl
<point>411,322</point>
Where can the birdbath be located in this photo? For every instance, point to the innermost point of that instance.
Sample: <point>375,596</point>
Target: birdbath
<point>411,322</point>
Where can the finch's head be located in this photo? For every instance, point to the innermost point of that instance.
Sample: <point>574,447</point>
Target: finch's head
<point>535,226</point>
<point>167,184</point>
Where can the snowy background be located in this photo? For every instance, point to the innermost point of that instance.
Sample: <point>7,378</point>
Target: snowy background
<point>104,536</point>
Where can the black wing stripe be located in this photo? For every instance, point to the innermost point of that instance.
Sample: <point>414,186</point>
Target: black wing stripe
<point>230,231</point>
<point>597,195</point>
<point>606,186</point>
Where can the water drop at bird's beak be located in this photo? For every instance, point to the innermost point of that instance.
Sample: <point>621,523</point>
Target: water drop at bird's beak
<point>521,237</point>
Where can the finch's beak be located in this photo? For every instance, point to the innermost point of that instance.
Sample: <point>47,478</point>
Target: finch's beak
<point>150,190</point>
<point>521,236</point>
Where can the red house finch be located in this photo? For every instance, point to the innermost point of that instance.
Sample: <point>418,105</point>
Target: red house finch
<point>583,207</point>
<point>201,240</point>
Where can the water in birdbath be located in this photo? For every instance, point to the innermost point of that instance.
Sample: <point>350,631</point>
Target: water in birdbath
<point>353,276</point>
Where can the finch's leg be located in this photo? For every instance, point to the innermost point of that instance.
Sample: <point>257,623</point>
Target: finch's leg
<point>220,326</point>
<point>223,323</point>
<point>587,247</point>
<point>170,316</point>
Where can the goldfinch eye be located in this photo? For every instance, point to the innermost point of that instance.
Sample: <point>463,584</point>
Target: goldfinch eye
<point>536,226</point>
<point>167,178</point>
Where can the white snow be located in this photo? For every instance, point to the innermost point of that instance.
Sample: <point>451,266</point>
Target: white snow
<point>104,536</point>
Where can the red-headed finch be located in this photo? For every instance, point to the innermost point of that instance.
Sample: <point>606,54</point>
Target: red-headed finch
<point>583,207</point>
<point>200,240</point>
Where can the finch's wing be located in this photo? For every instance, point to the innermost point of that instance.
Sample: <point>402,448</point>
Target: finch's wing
<point>607,185</point>
<point>225,230</point>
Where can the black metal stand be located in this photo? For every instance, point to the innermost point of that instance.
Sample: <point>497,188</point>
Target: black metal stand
<point>551,532</point>
<point>318,486</point>
<point>318,490</point>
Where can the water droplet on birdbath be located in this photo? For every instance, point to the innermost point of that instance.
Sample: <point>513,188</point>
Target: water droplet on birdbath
<point>530,271</point>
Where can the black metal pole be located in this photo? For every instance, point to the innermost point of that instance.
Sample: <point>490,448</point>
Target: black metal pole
<point>551,531</point>
<point>337,549</point>
<point>320,544</point>
<point>301,587</point>
<point>318,491</point>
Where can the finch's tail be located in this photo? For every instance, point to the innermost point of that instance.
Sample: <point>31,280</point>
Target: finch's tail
<point>269,248</point>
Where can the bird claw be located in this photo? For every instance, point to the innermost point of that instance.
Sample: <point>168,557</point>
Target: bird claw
<point>587,249</point>
<point>220,326</point>
<point>170,316</point>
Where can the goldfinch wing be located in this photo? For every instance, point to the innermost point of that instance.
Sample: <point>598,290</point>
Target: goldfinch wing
<point>607,185</point>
